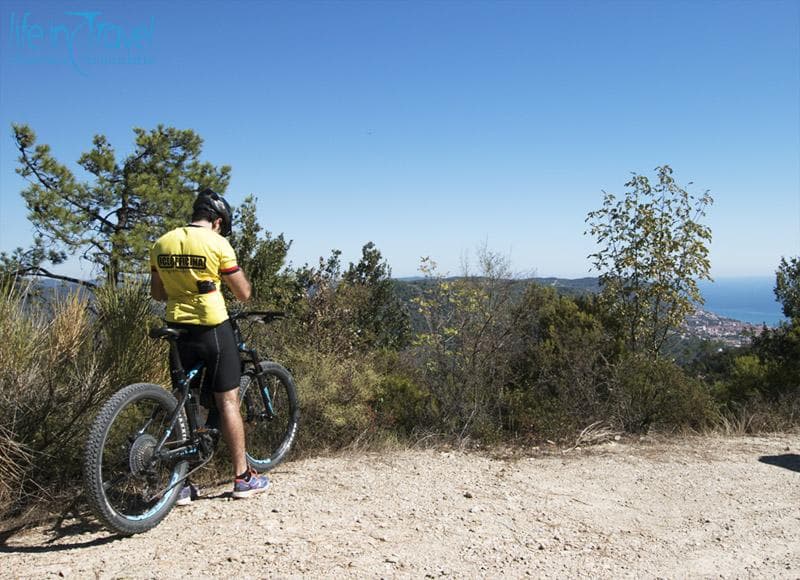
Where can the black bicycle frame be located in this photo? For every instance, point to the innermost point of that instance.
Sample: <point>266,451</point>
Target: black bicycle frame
<point>258,373</point>
<point>181,382</point>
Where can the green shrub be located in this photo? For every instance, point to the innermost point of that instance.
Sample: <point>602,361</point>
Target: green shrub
<point>646,393</point>
<point>402,404</point>
<point>747,378</point>
<point>558,366</point>
<point>336,399</point>
<point>537,416</point>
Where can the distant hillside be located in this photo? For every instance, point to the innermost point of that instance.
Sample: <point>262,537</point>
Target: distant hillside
<point>570,285</point>
<point>588,284</point>
<point>408,287</point>
<point>48,287</point>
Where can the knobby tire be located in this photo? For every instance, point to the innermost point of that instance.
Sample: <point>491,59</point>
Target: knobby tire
<point>268,436</point>
<point>122,479</point>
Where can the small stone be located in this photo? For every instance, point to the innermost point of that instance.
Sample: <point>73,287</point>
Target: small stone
<point>468,495</point>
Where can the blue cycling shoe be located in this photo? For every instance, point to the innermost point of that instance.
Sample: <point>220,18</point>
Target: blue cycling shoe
<point>249,485</point>
<point>187,494</point>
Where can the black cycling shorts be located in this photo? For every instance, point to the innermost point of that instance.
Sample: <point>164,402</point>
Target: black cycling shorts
<point>215,347</point>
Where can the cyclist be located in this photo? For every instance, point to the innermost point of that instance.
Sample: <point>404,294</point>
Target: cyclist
<point>187,265</point>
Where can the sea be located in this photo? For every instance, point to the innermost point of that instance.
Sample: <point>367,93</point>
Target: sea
<point>750,299</point>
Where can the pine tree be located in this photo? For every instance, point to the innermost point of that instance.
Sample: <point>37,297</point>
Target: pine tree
<point>112,219</point>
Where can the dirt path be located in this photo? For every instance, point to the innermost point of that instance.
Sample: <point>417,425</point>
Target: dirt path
<point>700,507</point>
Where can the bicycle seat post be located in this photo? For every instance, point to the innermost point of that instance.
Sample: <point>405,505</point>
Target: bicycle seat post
<point>177,372</point>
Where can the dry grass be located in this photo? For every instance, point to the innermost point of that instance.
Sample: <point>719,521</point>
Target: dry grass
<point>59,361</point>
<point>15,460</point>
<point>595,434</point>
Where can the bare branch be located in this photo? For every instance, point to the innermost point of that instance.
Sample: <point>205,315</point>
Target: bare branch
<point>39,271</point>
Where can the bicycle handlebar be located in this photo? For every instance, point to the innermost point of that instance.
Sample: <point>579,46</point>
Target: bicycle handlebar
<point>259,316</point>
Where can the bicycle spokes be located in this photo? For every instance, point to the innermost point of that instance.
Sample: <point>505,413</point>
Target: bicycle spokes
<point>133,469</point>
<point>270,411</point>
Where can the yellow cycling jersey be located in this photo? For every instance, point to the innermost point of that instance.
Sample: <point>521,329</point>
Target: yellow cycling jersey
<point>191,261</point>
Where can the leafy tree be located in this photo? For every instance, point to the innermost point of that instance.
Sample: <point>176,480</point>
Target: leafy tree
<point>653,249</point>
<point>787,287</point>
<point>113,219</point>
<point>324,326</point>
<point>356,309</point>
<point>462,349</point>
<point>379,315</point>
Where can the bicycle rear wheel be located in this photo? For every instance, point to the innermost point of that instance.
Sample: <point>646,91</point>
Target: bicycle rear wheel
<point>270,415</point>
<point>128,486</point>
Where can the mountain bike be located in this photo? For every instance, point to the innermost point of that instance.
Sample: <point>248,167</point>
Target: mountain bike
<point>146,440</point>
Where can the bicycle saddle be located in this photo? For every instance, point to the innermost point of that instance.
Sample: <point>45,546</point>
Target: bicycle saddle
<point>166,332</point>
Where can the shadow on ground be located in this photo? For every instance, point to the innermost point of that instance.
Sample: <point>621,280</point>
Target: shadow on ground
<point>63,534</point>
<point>790,461</point>
<point>75,528</point>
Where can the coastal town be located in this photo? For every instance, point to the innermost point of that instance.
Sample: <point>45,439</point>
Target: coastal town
<point>709,326</point>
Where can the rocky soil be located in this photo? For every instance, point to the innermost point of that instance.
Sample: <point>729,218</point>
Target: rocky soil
<point>698,507</point>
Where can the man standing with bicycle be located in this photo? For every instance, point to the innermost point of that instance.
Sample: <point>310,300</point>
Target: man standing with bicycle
<point>187,265</point>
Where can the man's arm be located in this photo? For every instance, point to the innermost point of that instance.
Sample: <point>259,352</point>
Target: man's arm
<point>239,285</point>
<point>157,290</point>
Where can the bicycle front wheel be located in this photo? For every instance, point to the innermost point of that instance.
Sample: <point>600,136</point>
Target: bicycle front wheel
<point>270,413</point>
<point>129,486</point>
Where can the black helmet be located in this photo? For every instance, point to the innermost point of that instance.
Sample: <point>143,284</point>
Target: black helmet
<point>217,205</point>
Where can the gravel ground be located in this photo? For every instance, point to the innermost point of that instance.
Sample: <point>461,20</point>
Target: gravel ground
<point>698,507</point>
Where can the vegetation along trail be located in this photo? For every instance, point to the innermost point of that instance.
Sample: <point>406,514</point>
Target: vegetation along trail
<point>721,507</point>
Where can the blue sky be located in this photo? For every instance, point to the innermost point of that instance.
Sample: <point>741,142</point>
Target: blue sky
<point>431,128</point>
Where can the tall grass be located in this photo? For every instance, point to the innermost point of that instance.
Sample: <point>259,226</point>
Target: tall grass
<point>60,359</point>
<point>759,416</point>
